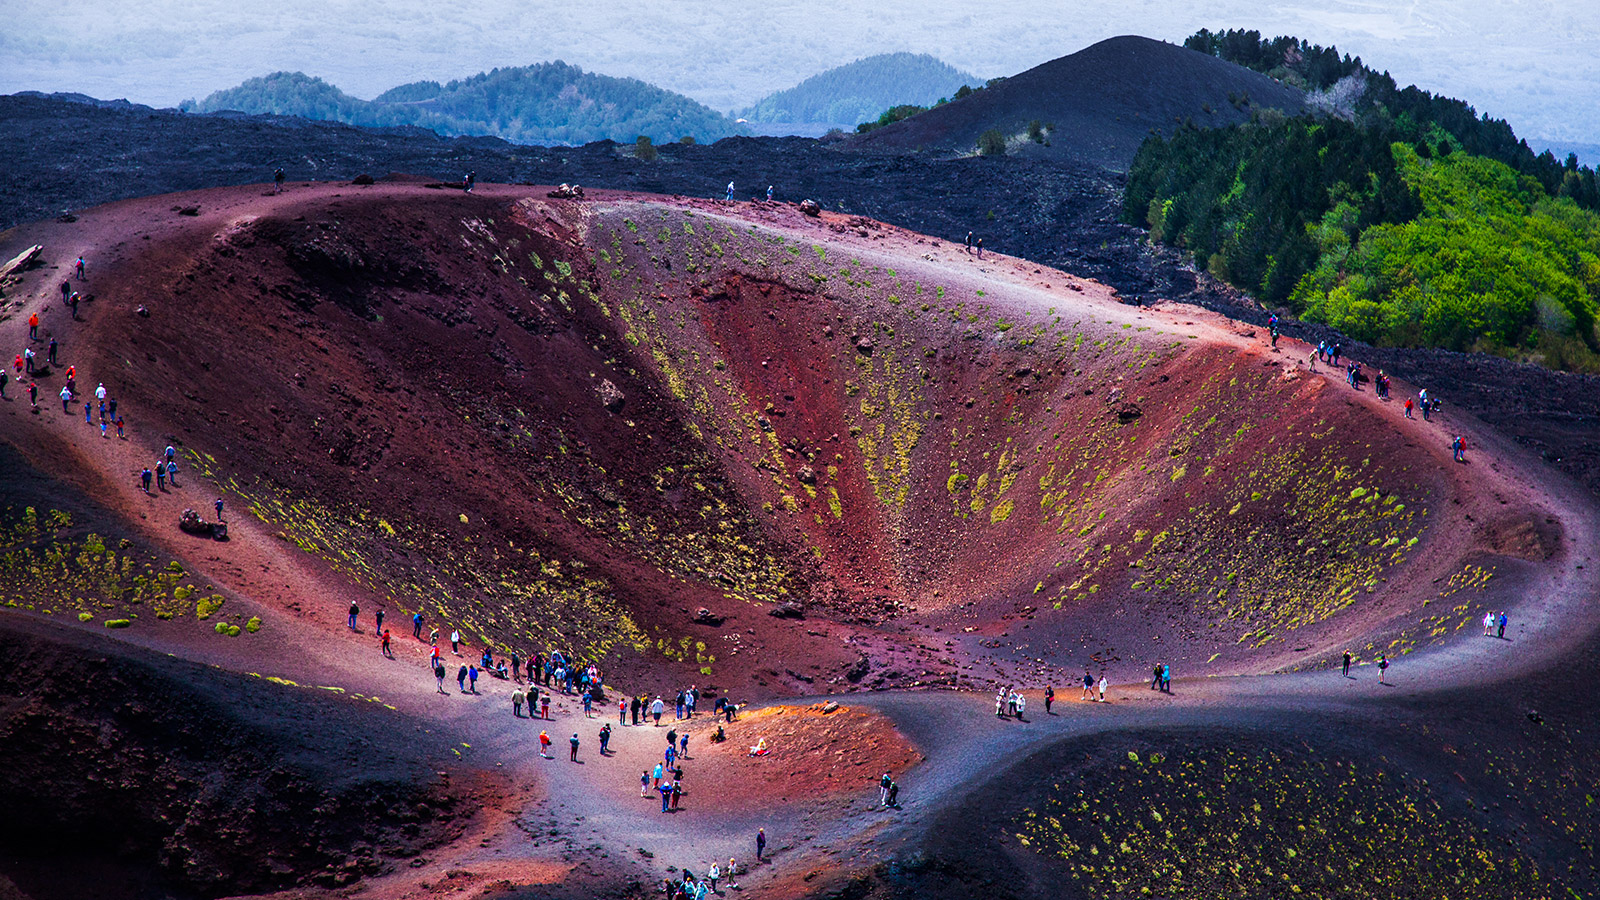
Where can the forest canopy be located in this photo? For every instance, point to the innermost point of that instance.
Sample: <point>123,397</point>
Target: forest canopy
<point>1398,217</point>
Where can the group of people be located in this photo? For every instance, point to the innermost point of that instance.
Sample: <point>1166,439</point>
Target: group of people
<point>1089,687</point>
<point>1330,351</point>
<point>1161,678</point>
<point>974,244</point>
<point>728,195</point>
<point>1383,665</point>
<point>1009,702</point>
<point>666,778</point>
<point>166,467</point>
<point>1494,624</point>
<point>688,887</point>
<point>888,791</point>
<point>27,365</point>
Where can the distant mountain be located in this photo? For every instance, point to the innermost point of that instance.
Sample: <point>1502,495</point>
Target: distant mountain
<point>859,91</point>
<point>547,103</point>
<point>1097,105</point>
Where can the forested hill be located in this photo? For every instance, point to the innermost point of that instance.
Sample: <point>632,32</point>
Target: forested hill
<point>859,91</point>
<point>1397,216</point>
<point>1343,85</point>
<point>548,103</point>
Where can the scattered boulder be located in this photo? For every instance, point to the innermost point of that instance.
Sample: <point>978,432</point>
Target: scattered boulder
<point>611,396</point>
<point>810,208</point>
<point>703,616</point>
<point>806,475</point>
<point>788,610</point>
<point>1128,412</point>
<point>363,179</point>
<point>864,346</point>
<point>566,191</point>
<point>186,210</point>
<point>832,706</point>
<point>22,260</point>
<point>858,670</point>
<point>66,218</point>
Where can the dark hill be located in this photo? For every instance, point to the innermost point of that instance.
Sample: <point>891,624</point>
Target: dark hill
<point>1103,101</point>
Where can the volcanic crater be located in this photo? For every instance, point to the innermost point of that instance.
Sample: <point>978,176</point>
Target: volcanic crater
<point>726,444</point>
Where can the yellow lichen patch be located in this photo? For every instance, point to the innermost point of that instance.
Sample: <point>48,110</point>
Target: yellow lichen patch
<point>1204,823</point>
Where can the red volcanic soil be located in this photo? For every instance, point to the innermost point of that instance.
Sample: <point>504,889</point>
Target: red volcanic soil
<point>1099,104</point>
<point>813,752</point>
<point>729,445</point>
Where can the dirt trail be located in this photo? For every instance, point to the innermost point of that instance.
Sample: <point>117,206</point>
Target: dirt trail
<point>595,807</point>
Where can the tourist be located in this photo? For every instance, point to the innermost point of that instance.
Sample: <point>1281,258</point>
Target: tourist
<point>516,703</point>
<point>1346,670</point>
<point>1049,698</point>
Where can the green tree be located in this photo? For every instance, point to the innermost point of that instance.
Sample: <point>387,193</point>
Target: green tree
<point>992,143</point>
<point>643,149</point>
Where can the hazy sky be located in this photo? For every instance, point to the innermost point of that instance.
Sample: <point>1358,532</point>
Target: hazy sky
<point>1533,62</point>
